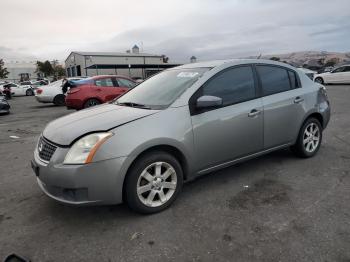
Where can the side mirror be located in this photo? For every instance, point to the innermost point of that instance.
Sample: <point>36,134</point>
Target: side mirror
<point>208,101</point>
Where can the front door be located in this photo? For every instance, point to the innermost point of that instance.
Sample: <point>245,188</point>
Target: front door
<point>233,130</point>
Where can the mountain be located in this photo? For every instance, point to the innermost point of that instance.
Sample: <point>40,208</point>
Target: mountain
<point>312,58</point>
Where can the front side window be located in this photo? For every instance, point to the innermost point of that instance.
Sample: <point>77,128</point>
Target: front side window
<point>273,79</point>
<point>234,85</point>
<point>125,83</point>
<point>293,79</point>
<point>339,70</point>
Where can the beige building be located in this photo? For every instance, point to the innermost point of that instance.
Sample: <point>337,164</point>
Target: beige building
<point>21,70</point>
<point>131,64</point>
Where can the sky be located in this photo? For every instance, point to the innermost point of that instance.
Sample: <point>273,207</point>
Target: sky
<point>207,29</point>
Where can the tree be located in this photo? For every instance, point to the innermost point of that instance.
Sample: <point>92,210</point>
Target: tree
<point>165,59</point>
<point>3,70</point>
<point>44,68</point>
<point>332,62</point>
<point>275,58</point>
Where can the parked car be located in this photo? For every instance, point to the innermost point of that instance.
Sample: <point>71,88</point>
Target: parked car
<point>5,90</point>
<point>340,75</point>
<point>97,90</point>
<point>310,73</point>
<point>52,93</point>
<point>4,105</point>
<point>18,90</point>
<point>175,126</point>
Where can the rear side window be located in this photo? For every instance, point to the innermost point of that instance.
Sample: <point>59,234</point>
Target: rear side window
<point>125,83</point>
<point>104,82</point>
<point>233,85</point>
<point>273,79</point>
<point>293,80</point>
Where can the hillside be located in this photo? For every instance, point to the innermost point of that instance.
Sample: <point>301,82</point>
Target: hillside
<point>312,57</point>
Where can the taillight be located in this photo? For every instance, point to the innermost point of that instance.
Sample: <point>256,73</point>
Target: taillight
<point>39,91</point>
<point>73,90</point>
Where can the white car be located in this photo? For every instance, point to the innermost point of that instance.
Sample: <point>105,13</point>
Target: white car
<point>18,90</point>
<point>340,75</point>
<point>52,93</point>
<point>310,73</point>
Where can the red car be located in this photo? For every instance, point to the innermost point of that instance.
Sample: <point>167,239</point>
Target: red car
<point>97,90</point>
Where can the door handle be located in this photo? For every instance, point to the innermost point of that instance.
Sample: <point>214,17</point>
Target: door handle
<point>298,100</point>
<point>254,113</point>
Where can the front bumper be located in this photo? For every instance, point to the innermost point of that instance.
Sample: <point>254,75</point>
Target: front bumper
<point>98,183</point>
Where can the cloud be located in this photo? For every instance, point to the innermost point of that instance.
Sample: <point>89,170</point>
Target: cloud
<point>208,29</point>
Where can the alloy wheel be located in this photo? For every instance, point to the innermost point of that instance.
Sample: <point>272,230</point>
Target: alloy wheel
<point>311,137</point>
<point>156,184</point>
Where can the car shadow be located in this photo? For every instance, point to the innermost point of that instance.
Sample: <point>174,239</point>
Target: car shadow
<point>202,185</point>
<point>45,106</point>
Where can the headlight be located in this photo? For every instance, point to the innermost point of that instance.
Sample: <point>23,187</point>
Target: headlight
<point>85,148</point>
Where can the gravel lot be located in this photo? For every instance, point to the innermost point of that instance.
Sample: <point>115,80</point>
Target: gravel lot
<point>274,208</point>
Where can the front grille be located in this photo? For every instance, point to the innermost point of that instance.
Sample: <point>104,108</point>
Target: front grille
<point>45,149</point>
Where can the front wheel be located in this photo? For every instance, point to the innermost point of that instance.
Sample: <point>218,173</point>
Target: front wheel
<point>319,80</point>
<point>29,92</point>
<point>59,100</point>
<point>309,139</point>
<point>91,102</point>
<point>153,182</point>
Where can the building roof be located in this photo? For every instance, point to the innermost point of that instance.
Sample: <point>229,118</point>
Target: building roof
<point>118,54</point>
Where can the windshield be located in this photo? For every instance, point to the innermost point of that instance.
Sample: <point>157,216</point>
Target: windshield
<point>159,91</point>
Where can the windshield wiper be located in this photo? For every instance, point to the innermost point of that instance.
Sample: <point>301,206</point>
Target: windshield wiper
<point>131,104</point>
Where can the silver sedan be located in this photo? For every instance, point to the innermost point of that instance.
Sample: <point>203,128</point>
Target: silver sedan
<point>179,124</point>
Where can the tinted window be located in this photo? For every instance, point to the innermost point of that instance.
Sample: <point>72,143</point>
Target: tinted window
<point>78,70</point>
<point>347,69</point>
<point>273,79</point>
<point>233,85</point>
<point>293,80</point>
<point>104,82</point>
<point>125,83</point>
<point>340,69</point>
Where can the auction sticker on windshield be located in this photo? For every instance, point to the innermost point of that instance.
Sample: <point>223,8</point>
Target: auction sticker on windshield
<point>187,74</point>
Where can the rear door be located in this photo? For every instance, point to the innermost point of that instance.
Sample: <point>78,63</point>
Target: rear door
<point>104,89</point>
<point>234,129</point>
<point>283,104</point>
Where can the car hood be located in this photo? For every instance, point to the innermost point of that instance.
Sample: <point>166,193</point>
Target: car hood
<point>65,130</point>
<point>323,74</point>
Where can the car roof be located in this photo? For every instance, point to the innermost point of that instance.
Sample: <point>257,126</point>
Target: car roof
<point>216,63</point>
<point>105,76</point>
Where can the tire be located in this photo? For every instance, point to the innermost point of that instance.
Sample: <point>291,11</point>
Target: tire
<point>29,92</point>
<point>59,100</point>
<point>91,102</point>
<point>319,80</point>
<point>308,142</point>
<point>159,191</point>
